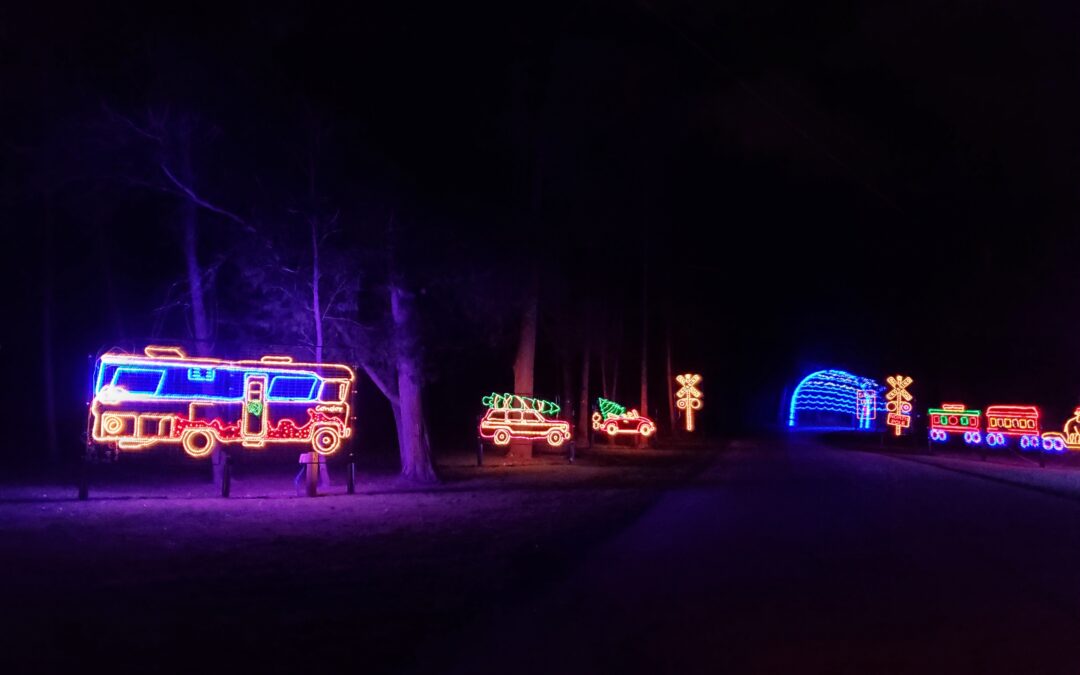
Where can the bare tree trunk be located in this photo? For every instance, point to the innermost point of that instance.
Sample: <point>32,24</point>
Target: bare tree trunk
<point>603,356</point>
<point>525,363</point>
<point>567,384</point>
<point>670,381</point>
<point>105,268</point>
<point>603,368</point>
<point>189,216</point>
<point>195,285</point>
<point>615,360</point>
<point>313,221</point>
<point>416,463</point>
<point>395,407</point>
<point>316,305</point>
<point>615,377</point>
<point>47,333</point>
<point>644,410</point>
<point>584,423</point>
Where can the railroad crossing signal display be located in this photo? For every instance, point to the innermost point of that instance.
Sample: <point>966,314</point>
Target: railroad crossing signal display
<point>688,398</point>
<point>899,403</point>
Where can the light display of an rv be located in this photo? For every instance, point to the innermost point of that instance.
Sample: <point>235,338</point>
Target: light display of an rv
<point>166,397</point>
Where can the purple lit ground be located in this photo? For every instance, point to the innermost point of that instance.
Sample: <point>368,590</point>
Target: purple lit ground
<point>764,556</point>
<point>156,569</point>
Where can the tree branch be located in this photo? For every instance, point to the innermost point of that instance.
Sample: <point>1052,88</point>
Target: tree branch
<point>199,201</point>
<point>379,382</point>
<point>333,297</point>
<point>129,123</point>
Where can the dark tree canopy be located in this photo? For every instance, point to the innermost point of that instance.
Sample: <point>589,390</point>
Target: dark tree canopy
<point>845,186</point>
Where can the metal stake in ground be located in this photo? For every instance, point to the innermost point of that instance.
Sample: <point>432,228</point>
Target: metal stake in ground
<point>350,475</point>
<point>226,472</point>
<point>312,477</point>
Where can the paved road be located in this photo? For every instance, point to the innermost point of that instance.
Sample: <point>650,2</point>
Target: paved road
<point>795,558</point>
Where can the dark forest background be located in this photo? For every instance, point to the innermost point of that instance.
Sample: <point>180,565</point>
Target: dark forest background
<point>866,186</point>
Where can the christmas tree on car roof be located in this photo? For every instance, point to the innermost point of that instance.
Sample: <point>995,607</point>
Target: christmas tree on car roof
<point>517,402</point>
<point>610,408</point>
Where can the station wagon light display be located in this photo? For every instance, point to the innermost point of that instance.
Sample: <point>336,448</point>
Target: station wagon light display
<point>515,417</point>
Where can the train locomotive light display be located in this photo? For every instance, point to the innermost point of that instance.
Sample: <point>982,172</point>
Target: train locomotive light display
<point>511,416</point>
<point>1067,439</point>
<point>614,419</point>
<point>1003,421</point>
<point>953,418</point>
<point>899,403</point>
<point>163,396</point>
<point>688,397</point>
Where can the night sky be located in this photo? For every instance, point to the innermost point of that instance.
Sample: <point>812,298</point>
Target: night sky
<point>868,186</point>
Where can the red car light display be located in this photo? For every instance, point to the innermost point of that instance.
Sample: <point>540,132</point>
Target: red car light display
<point>614,419</point>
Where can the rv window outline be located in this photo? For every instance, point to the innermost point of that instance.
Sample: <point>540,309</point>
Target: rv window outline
<point>121,370</point>
<point>272,387</point>
<point>201,374</point>
<point>332,392</point>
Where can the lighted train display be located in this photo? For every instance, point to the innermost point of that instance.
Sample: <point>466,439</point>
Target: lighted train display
<point>1002,423</point>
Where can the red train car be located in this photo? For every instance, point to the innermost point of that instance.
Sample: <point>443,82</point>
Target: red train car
<point>955,418</point>
<point>1013,420</point>
<point>1002,421</point>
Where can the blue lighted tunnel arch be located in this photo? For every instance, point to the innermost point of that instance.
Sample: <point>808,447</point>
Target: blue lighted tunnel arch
<point>833,391</point>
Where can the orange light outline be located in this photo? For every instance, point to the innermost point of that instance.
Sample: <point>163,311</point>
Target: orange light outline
<point>897,397</point>
<point>610,423</point>
<point>688,397</point>
<point>492,428</point>
<point>172,356</point>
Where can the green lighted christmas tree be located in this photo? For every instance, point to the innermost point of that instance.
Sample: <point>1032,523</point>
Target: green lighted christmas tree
<point>516,402</point>
<point>610,408</point>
